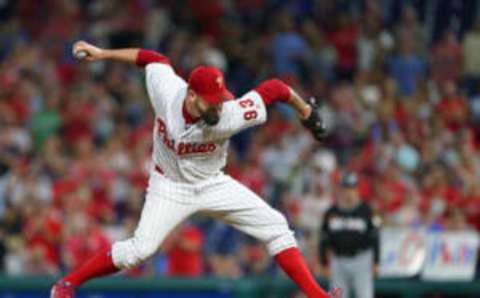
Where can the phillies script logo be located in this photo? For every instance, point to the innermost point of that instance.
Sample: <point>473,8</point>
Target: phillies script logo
<point>183,148</point>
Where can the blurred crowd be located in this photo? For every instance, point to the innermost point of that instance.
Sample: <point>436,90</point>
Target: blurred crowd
<point>399,81</point>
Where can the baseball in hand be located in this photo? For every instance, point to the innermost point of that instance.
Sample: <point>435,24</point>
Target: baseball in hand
<point>85,51</point>
<point>80,55</point>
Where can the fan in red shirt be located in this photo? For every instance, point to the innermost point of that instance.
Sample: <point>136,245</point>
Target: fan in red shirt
<point>391,191</point>
<point>471,205</point>
<point>42,232</point>
<point>78,116</point>
<point>185,255</point>
<point>85,239</point>
<point>438,194</point>
<point>208,14</point>
<point>453,108</point>
<point>252,175</point>
<point>344,38</point>
<point>447,59</point>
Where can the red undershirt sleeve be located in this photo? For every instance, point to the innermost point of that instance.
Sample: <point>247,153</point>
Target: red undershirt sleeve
<point>273,90</point>
<point>145,57</point>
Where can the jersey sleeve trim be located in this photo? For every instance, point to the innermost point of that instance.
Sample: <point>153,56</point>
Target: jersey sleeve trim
<point>273,90</point>
<point>145,57</point>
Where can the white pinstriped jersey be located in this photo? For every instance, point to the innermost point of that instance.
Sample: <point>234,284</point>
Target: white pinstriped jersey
<point>191,153</point>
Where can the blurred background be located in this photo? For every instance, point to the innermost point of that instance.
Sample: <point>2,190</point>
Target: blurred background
<point>400,85</point>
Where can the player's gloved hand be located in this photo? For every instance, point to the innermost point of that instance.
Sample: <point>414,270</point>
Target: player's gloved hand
<point>315,122</point>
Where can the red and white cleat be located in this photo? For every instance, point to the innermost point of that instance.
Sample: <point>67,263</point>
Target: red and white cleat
<point>62,289</point>
<point>335,293</point>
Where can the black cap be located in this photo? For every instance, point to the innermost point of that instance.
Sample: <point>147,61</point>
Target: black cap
<point>350,179</point>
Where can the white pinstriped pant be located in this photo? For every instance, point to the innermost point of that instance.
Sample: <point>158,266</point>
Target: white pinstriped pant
<point>168,203</point>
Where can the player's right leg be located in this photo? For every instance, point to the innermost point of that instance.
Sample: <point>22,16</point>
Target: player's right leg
<point>237,205</point>
<point>161,213</point>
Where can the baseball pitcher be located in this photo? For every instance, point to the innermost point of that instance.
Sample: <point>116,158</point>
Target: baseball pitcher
<point>193,123</point>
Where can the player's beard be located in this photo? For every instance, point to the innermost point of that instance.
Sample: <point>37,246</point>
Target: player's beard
<point>210,118</point>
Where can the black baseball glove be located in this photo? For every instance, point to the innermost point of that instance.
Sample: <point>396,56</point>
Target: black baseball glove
<point>315,122</point>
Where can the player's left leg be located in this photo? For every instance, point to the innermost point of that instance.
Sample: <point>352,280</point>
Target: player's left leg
<point>165,207</point>
<point>237,205</point>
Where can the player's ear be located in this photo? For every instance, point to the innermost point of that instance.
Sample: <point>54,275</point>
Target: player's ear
<point>192,93</point>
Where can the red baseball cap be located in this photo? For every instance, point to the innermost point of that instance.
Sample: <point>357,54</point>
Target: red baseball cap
<point>209,83</point>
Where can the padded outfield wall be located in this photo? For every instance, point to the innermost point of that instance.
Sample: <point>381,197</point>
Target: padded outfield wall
<point>119,287</point>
